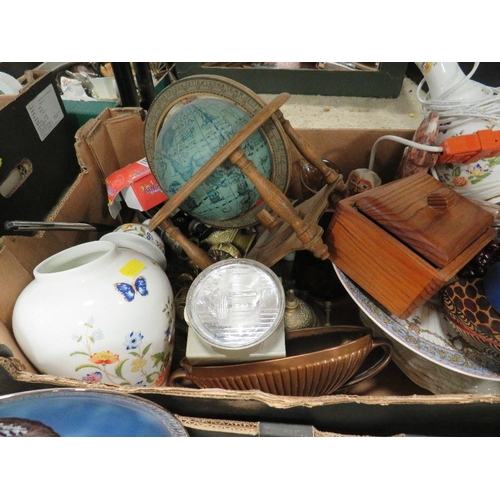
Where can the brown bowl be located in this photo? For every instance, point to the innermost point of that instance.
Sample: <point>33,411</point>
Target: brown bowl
<point>319,361</point>
<point>471,316</point>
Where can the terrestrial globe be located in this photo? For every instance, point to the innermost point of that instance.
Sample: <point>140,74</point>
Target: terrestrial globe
<point>188,123</point>
<point>189,138</point>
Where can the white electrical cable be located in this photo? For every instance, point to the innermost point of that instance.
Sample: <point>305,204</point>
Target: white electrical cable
<point>451,113</point>
<point>456,112</point>
<point>401,140</point>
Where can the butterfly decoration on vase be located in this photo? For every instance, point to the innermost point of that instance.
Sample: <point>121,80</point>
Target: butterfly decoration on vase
<point>129,290</point>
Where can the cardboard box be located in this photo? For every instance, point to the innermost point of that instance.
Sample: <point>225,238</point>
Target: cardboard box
<point>37,156</point>
<point>387,405</point>
<point>135,186</point>
<point>213,427</point>
<point>80,112</point>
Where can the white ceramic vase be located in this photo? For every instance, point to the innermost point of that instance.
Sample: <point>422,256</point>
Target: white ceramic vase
<point>98,313</point>
<point>479,180</point>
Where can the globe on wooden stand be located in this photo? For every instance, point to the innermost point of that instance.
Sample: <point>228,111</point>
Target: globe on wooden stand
<point>222,155</point>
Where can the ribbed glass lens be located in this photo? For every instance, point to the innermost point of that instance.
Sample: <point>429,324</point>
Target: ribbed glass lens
<point>235,303</point>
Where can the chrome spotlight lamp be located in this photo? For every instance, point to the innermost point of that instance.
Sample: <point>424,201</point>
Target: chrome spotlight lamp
<point>235,313</point>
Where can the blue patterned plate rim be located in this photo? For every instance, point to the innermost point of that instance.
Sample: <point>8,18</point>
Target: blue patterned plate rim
<point>456,357</point>
<point>79,412</point>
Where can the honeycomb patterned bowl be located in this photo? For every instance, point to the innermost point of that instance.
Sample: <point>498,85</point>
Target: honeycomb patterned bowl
<point>471,316</point>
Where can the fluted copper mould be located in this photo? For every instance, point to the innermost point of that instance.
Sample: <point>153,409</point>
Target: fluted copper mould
<point>319,361</point>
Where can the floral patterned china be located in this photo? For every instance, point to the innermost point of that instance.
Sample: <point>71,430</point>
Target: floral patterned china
<point>97,312</point>
<point>426,348</point>
<point>138,237</point>
<point>465,106</point>
<point>84,413</point>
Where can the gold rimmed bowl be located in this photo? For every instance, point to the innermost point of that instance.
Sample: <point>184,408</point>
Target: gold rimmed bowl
<point>319,361</point>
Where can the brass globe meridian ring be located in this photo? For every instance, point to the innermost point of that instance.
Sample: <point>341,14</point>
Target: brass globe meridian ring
<point>198,86</point>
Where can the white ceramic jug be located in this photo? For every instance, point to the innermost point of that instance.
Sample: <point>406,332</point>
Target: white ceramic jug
<point>464,108</point>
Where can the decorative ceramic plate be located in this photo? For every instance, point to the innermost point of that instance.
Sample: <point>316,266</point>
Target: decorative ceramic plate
<point>427,333</point>
<point>84,413</point>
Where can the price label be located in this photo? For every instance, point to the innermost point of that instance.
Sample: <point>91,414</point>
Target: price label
<point>45,112</point>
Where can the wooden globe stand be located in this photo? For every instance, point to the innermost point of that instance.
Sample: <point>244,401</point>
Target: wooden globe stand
<point>286,228</point>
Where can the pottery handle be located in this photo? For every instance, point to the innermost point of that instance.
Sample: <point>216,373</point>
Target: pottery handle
<point>373,370</point>
<point>179,378</point>
<point>176,376</point>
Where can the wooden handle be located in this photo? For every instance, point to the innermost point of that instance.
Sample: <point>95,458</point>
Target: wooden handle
<point>222,155</point>
<point>309,235</point>
<point>199,257</point>
<point>268,220</point>
<point>441,199</point>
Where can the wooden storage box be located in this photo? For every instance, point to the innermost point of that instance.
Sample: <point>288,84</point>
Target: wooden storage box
<point>402,241</point>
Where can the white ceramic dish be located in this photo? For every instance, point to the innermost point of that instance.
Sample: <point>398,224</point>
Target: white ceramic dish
<point>8,84</point>
<point>426,349</point>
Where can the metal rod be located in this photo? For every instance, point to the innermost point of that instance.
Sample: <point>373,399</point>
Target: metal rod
<point>126,84</point>
<point>17,225</point>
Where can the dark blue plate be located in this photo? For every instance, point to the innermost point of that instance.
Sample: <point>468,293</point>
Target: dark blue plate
<point>85,413</point>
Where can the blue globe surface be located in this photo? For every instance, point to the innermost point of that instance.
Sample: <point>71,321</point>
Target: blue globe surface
<point>185,143</point>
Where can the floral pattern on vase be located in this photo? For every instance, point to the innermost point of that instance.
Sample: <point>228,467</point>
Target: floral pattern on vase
<point>143,231</point>
<point>459,176</point>
<point>107,366</point>
<point>138,237</point>
<point>115,310</point>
